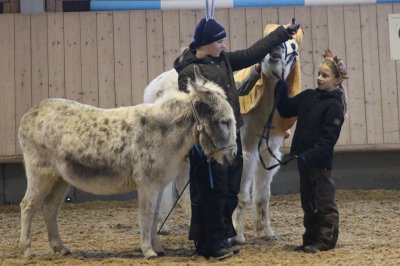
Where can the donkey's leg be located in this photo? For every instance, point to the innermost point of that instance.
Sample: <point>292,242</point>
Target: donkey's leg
<point>243,197</point>
<point>50,209</point>
<point>148,196</point>
<point>39,184</point>
<point>154,238</point>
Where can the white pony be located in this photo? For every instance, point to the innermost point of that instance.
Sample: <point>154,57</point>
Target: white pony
<point>283,62</point>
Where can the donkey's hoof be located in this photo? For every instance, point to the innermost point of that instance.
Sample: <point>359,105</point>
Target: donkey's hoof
<point>150,254</point>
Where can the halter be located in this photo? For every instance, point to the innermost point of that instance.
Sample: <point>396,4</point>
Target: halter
<point>290,58</point>
<point>200,128</point>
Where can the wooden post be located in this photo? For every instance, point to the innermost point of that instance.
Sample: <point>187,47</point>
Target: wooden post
<point>51,5</point>
<point>59,5</point>
<point>15,6</point>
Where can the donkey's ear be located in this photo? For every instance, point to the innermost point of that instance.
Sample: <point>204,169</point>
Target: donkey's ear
<point>197,74</point>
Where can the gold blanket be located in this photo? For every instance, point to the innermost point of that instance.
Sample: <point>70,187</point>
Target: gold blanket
<point>251,100</point>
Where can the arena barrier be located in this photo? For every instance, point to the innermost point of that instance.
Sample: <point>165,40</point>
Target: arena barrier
<point>113,5</point>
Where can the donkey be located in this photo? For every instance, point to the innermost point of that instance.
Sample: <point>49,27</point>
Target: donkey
<point>282,62</point>
<point>109,151</point>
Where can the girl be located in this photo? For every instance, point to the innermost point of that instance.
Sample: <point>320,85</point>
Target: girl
<point>320,114</point>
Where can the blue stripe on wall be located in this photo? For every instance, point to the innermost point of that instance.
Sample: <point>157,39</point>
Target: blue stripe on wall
<point>259,3</point>
<point>124,5</point>
<point>387,1</point>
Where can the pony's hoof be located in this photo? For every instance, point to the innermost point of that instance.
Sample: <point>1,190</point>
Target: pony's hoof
<point>28,254</point>
<point>161,253</point>
<point>150,254</point>
<point>164,232</point>
<point>62,250</point>
<point>237,241</point>
<point>272,238</point>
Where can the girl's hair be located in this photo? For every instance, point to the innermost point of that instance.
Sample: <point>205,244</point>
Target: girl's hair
<point>339,69</point>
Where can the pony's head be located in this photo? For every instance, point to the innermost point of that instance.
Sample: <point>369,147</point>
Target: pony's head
<point>282,58</point>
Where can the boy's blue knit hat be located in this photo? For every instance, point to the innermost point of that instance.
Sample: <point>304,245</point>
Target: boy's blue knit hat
<point>207,31</point>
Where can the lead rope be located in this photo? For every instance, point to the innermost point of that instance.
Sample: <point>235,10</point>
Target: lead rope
<point>265,136</point>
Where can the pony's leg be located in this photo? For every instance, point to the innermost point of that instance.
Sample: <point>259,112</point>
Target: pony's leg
<point>50,208</point>
<point>40,182</point>
<point>181,181</point>
<point>262,193</point>
<point>148,195</point>
<point>165,206</point>
<point>243,197</point>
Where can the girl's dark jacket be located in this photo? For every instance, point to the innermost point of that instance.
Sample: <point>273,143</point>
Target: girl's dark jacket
<point>319,121</point>
<point>220,69</point>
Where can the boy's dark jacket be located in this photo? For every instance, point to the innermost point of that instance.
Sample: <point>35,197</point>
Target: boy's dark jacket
<point>219,69</point>
<point>319,121</point>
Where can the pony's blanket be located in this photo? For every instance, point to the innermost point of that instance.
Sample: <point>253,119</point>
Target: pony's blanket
<point>251,100</point>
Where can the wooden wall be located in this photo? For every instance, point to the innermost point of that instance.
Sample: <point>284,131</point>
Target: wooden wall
<point>107,58</point>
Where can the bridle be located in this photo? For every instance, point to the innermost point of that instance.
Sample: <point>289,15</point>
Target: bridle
<point>201,129</point>
<point>290,58</point>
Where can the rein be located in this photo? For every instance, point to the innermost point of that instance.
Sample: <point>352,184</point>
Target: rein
<point>268,125</point>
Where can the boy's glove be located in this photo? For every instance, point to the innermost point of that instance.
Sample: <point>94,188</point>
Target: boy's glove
<point>293,28</point>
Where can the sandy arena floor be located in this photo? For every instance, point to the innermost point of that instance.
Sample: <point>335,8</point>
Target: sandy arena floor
<point>106,233</point>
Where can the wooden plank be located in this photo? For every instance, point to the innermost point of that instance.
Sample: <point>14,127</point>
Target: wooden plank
<point>59,6</point>
<point>396,10</point>
<point>105,57</point>
<point>23,86</point>
<point>319,25</point>
<point>237,27</point>
<point>90,89</point>
<point>338,46</point>
<point>154,44</point>
<point>7,88</point>
<point>138,55</point>
<point>303,16</point>
<point>269,15</point>
<point>222,16</point>
<point>15,6</point>
<point>6,8</point>
<point>285,15</point>
<point>40,71</point>
<point>187,23</point>
<point>254,26</point>
<point>73,63</point>
<point>122,54</point>
<point>356,99</point>
<point>56,55</point>
<point>170,38</point>
<point>370,56</point>
<point>390,108</point>
<point>51,5</point>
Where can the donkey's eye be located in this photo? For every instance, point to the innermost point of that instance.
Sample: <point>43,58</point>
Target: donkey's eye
<point>225,122</point>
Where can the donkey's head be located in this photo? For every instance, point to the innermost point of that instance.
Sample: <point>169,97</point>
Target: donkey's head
<point>282,58</point>
<point>216,124</point>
